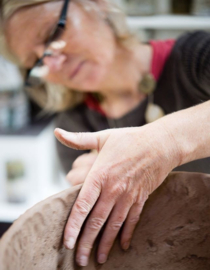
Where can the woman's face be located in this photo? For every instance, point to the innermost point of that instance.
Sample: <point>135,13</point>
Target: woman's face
<point>90,47</point>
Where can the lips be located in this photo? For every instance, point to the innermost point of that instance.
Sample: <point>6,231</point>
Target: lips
<point>76,70</point>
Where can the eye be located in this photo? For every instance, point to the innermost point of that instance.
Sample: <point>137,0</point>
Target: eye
<point>56,34</point>
<point>45,36</point>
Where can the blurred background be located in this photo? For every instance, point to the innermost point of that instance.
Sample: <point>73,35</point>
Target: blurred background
<point>29,167</point>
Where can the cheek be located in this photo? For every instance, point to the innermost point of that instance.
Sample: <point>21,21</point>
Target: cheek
<point>96,48</point>
<point>99,54</point>
<point>102,48</point>
<point>90,37</point>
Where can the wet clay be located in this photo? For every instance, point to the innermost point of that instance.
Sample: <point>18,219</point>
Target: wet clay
<point>173,233</point>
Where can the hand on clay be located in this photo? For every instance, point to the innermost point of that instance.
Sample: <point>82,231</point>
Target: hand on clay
<point>131,164</point>
<point>81,168</point>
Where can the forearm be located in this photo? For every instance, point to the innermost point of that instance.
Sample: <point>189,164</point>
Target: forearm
<point>190,130</point>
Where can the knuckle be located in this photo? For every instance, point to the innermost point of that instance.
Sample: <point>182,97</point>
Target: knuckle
<point>86,245</point>
<point>80,140</point>
<point>75,177</point>
<point>140,201</point>
<point>96,184</point>
<point>102,176</point>
<point>74,164</point>
<point>118,189</point>
<point>79,160</point>
<point>116,225</point>
<point>68,178</point>
<point>141,197</point>
<point>83,207</point>
<point>74,182</point>
<point>107,244</point>
<point>96,181</point>
<point>70,175</point>
<point>95,223</point>
<point>72,227</point>
<point>130,198</point>
<point>122,188</point>
<point>79,136</point>
<point>134,219</point>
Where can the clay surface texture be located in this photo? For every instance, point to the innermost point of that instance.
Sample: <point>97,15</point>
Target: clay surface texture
<point>173,232</point>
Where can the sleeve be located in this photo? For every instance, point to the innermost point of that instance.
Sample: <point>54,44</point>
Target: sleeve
<point>195,57</point>
<point>73,121</point>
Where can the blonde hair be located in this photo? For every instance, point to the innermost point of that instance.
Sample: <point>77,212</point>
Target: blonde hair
<point>56,98</point>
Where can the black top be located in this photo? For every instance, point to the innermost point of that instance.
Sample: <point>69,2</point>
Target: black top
<point>184,82</point>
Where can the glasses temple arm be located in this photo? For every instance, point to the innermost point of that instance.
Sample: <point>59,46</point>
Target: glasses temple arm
<point>63,16</point>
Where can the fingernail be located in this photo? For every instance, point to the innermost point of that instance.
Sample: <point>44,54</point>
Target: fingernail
<point>102,258</point>
<point>82,260</point>
<point>126,245</point>
<point>70,243</point>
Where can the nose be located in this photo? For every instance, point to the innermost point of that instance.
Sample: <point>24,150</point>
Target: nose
<point>55,62</point>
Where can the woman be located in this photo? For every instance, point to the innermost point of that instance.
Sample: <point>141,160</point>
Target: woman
<point>93,55</point>
<point>109,61</point>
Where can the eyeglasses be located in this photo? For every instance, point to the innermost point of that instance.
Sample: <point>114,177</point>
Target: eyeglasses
<point>34,75</point>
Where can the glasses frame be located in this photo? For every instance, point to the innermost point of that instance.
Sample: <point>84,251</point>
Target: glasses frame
<point>60,27</point>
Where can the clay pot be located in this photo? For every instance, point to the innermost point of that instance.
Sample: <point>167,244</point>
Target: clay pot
<point>173,233</point>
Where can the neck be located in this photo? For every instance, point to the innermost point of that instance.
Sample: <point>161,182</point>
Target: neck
<point>121,85</point>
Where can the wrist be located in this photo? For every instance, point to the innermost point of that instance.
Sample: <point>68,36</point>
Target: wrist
<point>189,130</point>
<point>175,151</point>
<point>165,146</point>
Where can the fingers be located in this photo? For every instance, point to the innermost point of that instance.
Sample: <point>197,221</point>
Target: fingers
<point>92,228</point>
<point>85,159</point>
<point>112,229</point>
<point>81,168</point>
<point>84,203</point>
<point>131,222</point>
<point>77,176</point>
<point>79,141</point>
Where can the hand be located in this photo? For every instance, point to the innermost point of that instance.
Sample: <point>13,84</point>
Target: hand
<point>131,164</point>
<point>81,168</point>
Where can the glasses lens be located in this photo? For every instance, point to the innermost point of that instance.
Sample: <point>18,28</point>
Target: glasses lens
<point>58,32</point>
<point>39,71</point>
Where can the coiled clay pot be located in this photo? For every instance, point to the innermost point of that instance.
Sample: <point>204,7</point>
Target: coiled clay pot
<point>173,233</point>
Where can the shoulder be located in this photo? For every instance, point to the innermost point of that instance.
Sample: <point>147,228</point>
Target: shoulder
<point>193,37</point>
<point>195,57</point>
<point>193,44</point>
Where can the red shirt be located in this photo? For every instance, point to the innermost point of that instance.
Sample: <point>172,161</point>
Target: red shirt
<point>161,51</point>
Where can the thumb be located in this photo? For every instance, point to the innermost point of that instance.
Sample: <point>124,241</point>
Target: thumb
<point>79,141</point>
